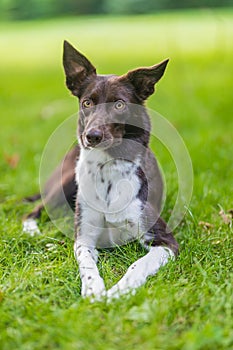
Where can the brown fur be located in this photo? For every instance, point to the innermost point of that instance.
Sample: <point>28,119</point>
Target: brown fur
<point>100,123</point>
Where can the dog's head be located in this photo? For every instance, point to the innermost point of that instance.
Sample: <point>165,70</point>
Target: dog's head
<point>105,100</point>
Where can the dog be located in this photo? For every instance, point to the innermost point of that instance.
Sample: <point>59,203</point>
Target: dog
<point>111,177</point>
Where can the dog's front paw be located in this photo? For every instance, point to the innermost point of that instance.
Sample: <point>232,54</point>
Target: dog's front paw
<point>122,287</point>
<point>30,226</point>
<point>93,288</point>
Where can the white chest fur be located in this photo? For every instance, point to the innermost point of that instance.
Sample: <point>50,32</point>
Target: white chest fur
<point>109,186</point>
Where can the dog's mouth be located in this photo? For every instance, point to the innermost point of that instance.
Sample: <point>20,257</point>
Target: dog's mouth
<point>103,143</point>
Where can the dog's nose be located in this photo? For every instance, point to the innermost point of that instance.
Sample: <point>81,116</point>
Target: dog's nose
<point>94,137</point>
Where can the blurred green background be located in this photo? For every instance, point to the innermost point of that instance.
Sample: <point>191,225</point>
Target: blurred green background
<point>31,9</point>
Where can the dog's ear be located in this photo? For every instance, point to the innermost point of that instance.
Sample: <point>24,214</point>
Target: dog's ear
<point>144,79</point>
<point>77,68</point>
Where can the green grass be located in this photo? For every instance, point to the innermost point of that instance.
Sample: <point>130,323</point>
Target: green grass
<point>188,304</point>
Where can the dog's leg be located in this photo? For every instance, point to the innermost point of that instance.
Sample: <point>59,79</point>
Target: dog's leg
<point>60,187</point>
<point>88,227</point>
<point>92,283</point>
<point>30,224</point>
<point>138,272</point>
<point>162,246</point>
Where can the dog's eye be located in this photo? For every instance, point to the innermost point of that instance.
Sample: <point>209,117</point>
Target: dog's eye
<point>119,105</point>
<point>87,103</point>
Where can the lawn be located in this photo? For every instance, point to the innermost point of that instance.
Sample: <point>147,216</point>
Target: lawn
<point>188,304</point>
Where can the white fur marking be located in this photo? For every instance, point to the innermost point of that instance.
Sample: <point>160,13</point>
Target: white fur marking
<point>92,283</point>
<point>30,226</point>
<point>138,272</point>
<point>107,193</point>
